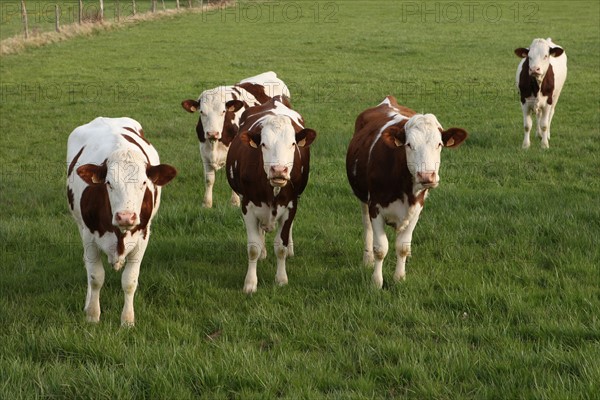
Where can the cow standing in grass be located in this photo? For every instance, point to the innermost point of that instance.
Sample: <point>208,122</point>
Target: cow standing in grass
<point>268,166</point>
<point>392,162</point>
<point>540,78</point>
<point>114,180</point>
<point>220,111</point>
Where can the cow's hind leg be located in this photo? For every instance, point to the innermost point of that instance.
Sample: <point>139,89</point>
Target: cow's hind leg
<point>95,280</point>
<point>129,282</point>
<point>368,258</point>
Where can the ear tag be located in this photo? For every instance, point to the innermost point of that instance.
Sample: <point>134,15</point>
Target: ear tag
<point>450,142</point>
<point>397,142</point>
<point>252,144</point>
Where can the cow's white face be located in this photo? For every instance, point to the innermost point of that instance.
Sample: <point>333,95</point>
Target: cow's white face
<point>126,176</point>
<point>423,145</point>
<point>126,182</point>
<point>278,145</point>
<point>212,110</point>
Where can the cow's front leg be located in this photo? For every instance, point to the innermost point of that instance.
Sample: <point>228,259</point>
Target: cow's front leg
<point>380,249</point>
<point>403,242</point>
<point>209,181</point>
<point>290,246</point>
<point>544,125</point>
<point>255,245</point>
<point>527,122</point>
<point>95,280</point>
<point>129,282</point>
<point>281,243</point>
<point>368,258</point>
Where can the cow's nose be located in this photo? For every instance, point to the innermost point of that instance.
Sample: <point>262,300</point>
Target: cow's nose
<point>535,70</point>
<point>212,135</point>
<point>279,171</point>
<point>125,218</point>
<point>426,177</point>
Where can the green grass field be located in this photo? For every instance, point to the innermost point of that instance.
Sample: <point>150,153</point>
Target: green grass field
<point>502,297</point>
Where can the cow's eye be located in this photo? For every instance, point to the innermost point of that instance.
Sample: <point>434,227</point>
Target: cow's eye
<point>108,184</point>
<point>145,183</point>
<point>440,144</point>
<point>409,145</point>
<point>223,112</point>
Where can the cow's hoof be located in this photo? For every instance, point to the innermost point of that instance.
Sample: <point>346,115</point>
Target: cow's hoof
<point>377,281</point>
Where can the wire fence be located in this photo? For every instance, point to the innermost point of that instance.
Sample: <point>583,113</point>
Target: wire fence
<point>29,18</point>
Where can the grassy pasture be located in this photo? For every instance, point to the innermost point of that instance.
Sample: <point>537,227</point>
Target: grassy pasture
<point>502,295</point>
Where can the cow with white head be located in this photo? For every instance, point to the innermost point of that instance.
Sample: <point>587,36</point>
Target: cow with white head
<point>220,110</point>
<point>392,162</point>
<point>114,181</point>
<point>268,166</point>
<point>540,77</point>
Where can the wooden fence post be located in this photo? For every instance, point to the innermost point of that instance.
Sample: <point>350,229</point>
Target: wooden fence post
<point>101,10</point>
<point>177,3</point>
<point>133,6</point>
<point>24,17</point>
<point>80,11</point>
<point>153,6</point>
<point>57,17</point>
<point>163,4</point>
<point>118,11</point>
<point>189,3</point>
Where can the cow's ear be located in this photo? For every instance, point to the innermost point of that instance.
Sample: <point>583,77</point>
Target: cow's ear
<point>190,106</point>
<point>234,105</point>
<point>305,137</point>
<point>161,174</point>
<point>250,138</point>
<point>453,137</point>
<point>92,174</point>
<point>521,52</point>
<point>556,51</point>
<point>394,136</point>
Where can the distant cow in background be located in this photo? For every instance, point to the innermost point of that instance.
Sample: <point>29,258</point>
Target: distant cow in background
<point>114,180</point>
<point>220,111</point>
<point>392,162</point>
<point>540,78</point>
<point>268,166</point>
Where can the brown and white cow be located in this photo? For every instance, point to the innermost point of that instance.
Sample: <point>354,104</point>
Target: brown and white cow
<point>541,75</point>
<point>392,162</point>
<point>114,180</point>
<point>220,111</point>
<point>268,166</point>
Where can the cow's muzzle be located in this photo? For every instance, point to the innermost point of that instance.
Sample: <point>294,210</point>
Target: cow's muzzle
<point>427,179</point>
<point>213,136</point>
<point>279,176</point>
<point>126,220</point>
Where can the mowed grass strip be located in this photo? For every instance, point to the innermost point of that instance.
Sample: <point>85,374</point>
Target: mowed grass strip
<point>502,292</point>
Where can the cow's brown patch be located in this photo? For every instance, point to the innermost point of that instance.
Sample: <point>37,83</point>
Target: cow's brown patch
<point>74,161</point>
<point>70,198</point>
<point>548,84</point>
<point>146,212</point>
<point>132,141</point>
<point>97,214</point>
<point>256,90</point>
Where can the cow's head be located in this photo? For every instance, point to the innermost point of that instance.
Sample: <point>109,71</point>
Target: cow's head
<point>423,138</point>
<point>126,176</point>
<point>538,56</point>
<point>214,106</point>
<point>278,141</point>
